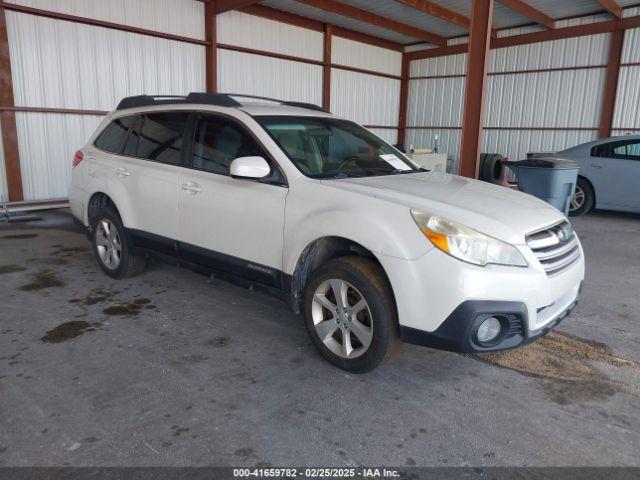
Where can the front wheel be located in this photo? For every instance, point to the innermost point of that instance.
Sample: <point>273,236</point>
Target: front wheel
<point>350,314</point>
<point>583,198</point>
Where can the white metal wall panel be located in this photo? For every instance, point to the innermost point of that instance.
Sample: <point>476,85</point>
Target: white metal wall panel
<point>250,31</point>
<point>631,12</point>
<point>47,142</point>
<point>178,17</point>
<point>271,77</point>
<point>627,109</point>
<point>369,57</point>
<point>569,52</point>
<point>389,135</point>
<point>4,192</point>
<point>569,98</point>
<point>366,99</point>
<point>436,102</point>
<point>449,65</point>
<point>448,140</point>
<point>66,65</point>
<point>631,48</point>
<point>516,144</point>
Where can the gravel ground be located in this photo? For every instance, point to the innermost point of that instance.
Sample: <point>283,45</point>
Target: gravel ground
<point>171,368</point>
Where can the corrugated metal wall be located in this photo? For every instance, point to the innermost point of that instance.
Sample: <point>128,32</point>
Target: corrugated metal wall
<point>59,64</point>
<point>4,194</point>
<point>179,17</point>
<point>627,111</point>
<point>250,31</point>
<point>437,102</point>
<point>367,99</point>
<point>240,72</point>
<point>566,102</point>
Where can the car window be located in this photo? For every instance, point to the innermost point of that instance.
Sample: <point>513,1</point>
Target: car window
<point>218,142</point>
<point>113,136</point>
<point>627,150</point>
<point>158,137</point>
<point>333,148</point>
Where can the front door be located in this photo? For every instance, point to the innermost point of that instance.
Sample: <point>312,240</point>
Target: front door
<point>230,224</point>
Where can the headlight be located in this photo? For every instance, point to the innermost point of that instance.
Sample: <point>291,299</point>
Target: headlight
<point>465,243</point>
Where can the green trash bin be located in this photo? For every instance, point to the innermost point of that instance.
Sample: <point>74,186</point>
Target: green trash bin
<point>550,179</point>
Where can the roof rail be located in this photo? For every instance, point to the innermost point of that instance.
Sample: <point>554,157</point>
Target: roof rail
<point>218,99</point>
<point>309,106</point>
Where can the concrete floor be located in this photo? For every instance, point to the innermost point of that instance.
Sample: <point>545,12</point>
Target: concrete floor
<point>174,369</point>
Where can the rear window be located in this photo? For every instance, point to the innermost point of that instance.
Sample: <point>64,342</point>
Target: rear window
<point>113,136</point>
<point>158,137</point>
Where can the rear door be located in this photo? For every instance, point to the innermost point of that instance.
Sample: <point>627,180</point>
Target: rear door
<point>614,168</point>
<point>151,162</point>
<point>229,224</point>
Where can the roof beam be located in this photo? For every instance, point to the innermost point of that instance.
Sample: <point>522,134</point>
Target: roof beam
<point>535,37</point>
<point>304,22</point>
<point>222,6</point>
<point>435,10</point>
<point>613,7</point>
<point>333,6</point>
<point>528,11</point>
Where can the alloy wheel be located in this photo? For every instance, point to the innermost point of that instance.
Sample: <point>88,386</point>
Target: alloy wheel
<point>577,201</point>
<point>342,318</point>
<point>108,244</point>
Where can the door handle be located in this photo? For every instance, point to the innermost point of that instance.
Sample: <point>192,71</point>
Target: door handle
<point>122,172</point>
<point>192,187</point>
<point>596,165</point>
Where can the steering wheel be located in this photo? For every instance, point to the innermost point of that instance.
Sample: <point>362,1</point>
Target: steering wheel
<point>343,164</point>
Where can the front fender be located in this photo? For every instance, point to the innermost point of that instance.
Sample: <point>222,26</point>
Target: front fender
<point>396,236</point>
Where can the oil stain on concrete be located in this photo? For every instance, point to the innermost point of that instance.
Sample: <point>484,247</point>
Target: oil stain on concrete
<point>566,367</point>
<point>4,269</point>
<point>19,236</point>
<point>68,330</point>
<point>129,309</point>
<point>42,280</point>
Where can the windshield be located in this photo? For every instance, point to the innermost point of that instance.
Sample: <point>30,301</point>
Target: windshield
<point>332,148</point>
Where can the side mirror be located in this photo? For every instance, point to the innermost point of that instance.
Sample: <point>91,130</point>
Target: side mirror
<point>249,167</point>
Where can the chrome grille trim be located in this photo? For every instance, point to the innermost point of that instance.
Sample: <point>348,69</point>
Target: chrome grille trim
<point>555,247</point>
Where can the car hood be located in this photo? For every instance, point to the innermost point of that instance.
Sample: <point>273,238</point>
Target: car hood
<point>497,211</point>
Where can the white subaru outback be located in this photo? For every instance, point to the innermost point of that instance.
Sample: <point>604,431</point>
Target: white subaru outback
<point>288,198</point>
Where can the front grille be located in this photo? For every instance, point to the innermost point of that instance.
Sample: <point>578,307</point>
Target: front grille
<point>556,247</point>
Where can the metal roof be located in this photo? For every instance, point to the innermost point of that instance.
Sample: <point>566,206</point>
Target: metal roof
<point>503,17</point>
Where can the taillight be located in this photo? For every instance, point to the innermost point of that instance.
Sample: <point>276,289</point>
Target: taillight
<point>77,158</point>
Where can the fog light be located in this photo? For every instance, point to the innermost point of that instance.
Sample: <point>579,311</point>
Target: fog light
<point>488,330</point>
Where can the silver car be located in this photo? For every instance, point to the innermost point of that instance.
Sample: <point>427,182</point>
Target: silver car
<point>609,176</point>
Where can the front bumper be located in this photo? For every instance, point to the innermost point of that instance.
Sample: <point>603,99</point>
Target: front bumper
<point>439,298</point>
<point>457,332</point>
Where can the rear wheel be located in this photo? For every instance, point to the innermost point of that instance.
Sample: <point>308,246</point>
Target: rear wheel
<point>111,248</point>
<point>350,314</point>
<point>583,198</point>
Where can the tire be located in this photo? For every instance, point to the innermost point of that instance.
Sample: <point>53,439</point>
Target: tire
<point>127,265</point>
<point>583,200</point>
<point>375,339</point>
<point>490,167</point>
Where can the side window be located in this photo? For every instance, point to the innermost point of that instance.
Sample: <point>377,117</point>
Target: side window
<point>218,142</point>
<point>627,150</point>
<point>158,137</point>
<point>601,150</point>
<point>113,136</point>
